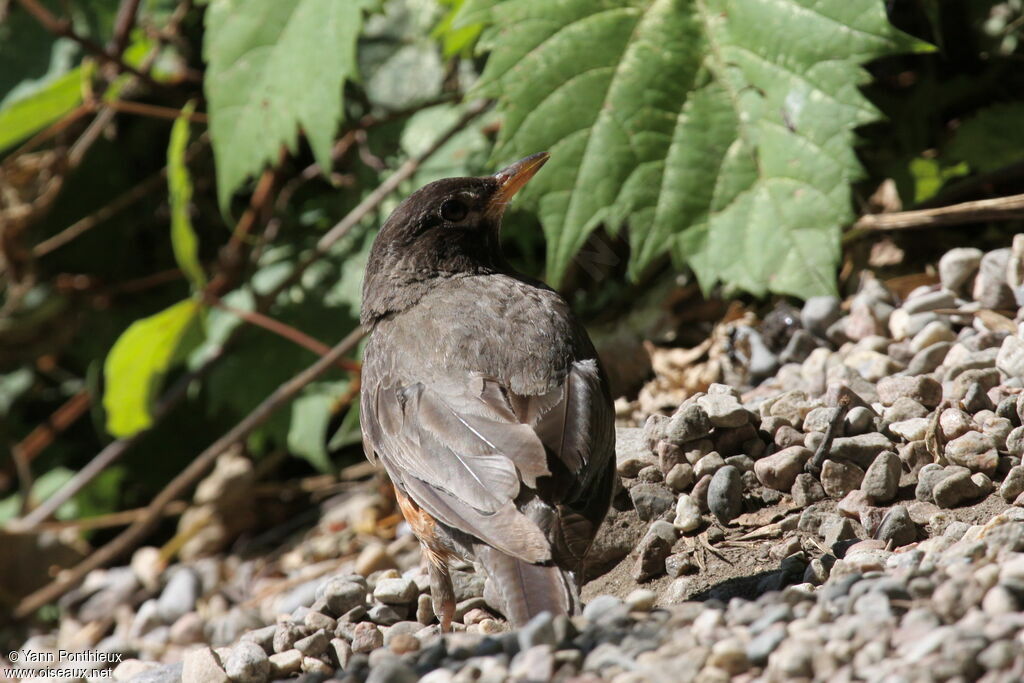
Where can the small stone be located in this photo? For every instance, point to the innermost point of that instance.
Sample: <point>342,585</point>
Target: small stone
<point>179,595</point>
<point>904,409</point>
<point>641,600</point>
<point>248,663</point>
<point>958,266</point>
<point>1013,484</point>
<point>540,630</point>
<point>955,489</point>
<point>923,389</point>
<point>313,645</point>
<point>913,429</point>
<point>859,421</point>
<point>806,490</point>
<point>286,663</point>
<point>871,365</point>
<point>1010,360</point>
<point>374,557</point>
<point>605,609</point>
<point>395,591</point>
<point>929,301</point>
<point>200,664</point>
<point>316,667</point>
<point>699,493</point>
<point>779,471</point>
<point>680,564</point>
<point>680,477</point>
<point>340,652</point>
<point>708,465</point>
<point>935,332</point>
<point>786,437</point>
<point>341,595</point>
<point>991,289</point>
<point>651,475</point>
<point>687,514</point>
<point>1015,442</point>
<point>820,312</point>
<point>386,615</point>
<point>724,410</point>
<point>287,633</point>
<point>882,478</point>
<point>927,478</point>
<point>897,527</point>
<point>954,423</point>
<point>651,500</point>
<point>860,450</point>
<point>654,548</point>
<point>839,478</point>
<point>725,495</point>
<point>730,656</point>
<point>689,422</point>
<point>366,637</point>
<point>975,451</point>
<point>837,529</point>
<point>928,359</point>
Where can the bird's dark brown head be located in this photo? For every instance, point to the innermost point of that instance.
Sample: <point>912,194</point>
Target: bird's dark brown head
<point>447,228</point>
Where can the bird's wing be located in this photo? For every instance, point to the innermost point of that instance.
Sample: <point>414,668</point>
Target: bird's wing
<point>464,448</point>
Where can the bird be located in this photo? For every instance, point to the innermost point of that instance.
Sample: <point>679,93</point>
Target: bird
<point>483,399</point>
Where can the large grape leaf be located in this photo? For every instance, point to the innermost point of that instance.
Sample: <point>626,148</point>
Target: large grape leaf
<point>275,66</point>
<point>720,131</point>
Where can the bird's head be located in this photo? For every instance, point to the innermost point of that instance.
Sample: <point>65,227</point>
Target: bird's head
<point>449,227</point>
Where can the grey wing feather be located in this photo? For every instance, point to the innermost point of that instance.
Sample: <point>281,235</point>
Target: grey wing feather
<point>462,449</point>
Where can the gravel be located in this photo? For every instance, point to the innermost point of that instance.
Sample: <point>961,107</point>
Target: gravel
<point>728,553</point>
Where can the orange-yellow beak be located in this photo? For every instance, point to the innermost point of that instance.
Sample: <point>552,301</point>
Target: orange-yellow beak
<point>512,179</point>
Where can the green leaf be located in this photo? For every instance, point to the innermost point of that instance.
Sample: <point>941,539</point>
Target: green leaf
<point>991,139</point>
<point>720,131</point>
<point>275,66</point>
<point>402,66</point>
<point>311,416</point>
<point>456,39</point>
<point>27,115</point>
<point>179,185</point>
<point>929,176</point>
<point>139,360</point>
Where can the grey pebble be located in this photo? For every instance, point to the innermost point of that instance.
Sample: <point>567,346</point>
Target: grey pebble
<point>725,494</point>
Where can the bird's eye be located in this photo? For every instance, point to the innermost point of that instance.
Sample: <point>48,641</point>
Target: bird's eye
<point>453,211</point>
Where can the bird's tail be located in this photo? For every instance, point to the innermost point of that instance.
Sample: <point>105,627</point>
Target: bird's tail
<point>521,590</point>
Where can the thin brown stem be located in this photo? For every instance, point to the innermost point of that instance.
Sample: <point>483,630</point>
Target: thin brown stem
<point>113,452</point>
<point>62,418</point>
<point>997,209</point>
<point>154,111</point>
<point>123,24</point>
<point>186,479</point>
<point>64,29</point>
<point>292,334</point>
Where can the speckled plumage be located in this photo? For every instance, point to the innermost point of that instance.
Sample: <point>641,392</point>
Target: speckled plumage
<point>483,399</point>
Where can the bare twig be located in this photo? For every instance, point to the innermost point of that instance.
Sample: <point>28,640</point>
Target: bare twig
<point>154,111</point>
<point>296,336</point>
<point>998,209</point>
<point>126,14</point>
<point>64,29</point>
<point>186,479</point>
<point>113,451</point>
<point>62,418</point>
<point>109,210</point>
<point>112,519</point>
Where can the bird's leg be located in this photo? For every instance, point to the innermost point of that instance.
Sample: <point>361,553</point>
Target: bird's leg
<point>442,593</point>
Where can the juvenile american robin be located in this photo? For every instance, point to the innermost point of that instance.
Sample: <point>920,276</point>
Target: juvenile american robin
<point>483,399</point>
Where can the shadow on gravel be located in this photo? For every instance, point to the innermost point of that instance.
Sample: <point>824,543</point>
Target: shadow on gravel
<point>747,587</point>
